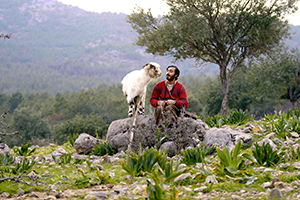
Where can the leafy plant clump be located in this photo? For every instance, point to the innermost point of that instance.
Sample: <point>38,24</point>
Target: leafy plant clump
<point>72,138</point>
<point>265,155</point>
<point>24,150</point>
<point>234,117</point>
<point>103,149</point>
<point>232,163</point>
<point>195,155</point>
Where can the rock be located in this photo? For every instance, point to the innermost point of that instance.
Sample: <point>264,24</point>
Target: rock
<point>100,168</point>
<point>102,195</point>
<point>247,130</point>
<point>20,192</point>
<point>200,189</point>
<point>217,137</point>
<point>32,194</point>
<point>4,149</point>
<point>249,125</point>
<point>276,194</point>
<point>294,134</point>
<point>279,184</point>
<point>236,197</point>
<point>296,165</point>
<point>85,143</point>
<point>59,152</point>
<point>77,156</point>
<point>145,133</point>
<point>18,159</point>
<point>267,185</point>
<point>5,195</point>
<point>50,197</point>
<point>276,140</point>
<point>228,137</point>
<point>90,197</point>
<point>187,189</point>
<point>171,148</point>
<point>276,180</point>
<point>284,165</point>
<point>256,129</point>
<point>182,177</point>
<point>270,136</point>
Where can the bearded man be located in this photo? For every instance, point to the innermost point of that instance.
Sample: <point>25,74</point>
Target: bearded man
<point>169,96</point>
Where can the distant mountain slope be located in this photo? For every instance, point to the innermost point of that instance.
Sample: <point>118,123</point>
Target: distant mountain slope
<point>57,48</point>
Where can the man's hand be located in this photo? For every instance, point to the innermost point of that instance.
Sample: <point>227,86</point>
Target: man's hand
<point>162,103</point>
<point>170,102</point>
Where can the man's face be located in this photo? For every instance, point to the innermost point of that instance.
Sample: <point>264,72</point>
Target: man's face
<point>171,74</point>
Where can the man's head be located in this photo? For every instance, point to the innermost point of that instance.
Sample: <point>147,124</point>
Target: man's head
<point>172,72</point>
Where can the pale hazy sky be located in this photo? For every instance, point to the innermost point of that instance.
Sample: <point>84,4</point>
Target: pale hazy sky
<point>127,6</point>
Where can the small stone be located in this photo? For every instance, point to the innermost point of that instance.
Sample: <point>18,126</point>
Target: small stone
<point>294,134</point>
<point>90,197</point>
<point>182,177</point>
<point>267,185</point>
<point>276,140</point>
<point>20,192</point>
<point>32,194</point>
<point>275,194</point>
<point>200,189</point>
<point>270,136</point>
<point>288,190</point>
<point>46,172</point>
<point>236,197</point>
<point>187,189</point>
<point>278,185</point>
<point>249,125</point>
<point>99,194</point>
<point>5,195</point>
<point>97,166</point>
<point>247,130</point>
<point>256,129</point>
<point>284,165</point>
<point>50,198</point>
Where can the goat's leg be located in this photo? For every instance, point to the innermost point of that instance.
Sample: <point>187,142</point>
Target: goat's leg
<point>130,108</point>
<point>142,103</point>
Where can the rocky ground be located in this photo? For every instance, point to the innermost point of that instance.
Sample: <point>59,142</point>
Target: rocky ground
<point>60,180</point>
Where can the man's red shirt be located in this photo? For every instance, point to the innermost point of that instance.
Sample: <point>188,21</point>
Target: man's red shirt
<point>178,93</point>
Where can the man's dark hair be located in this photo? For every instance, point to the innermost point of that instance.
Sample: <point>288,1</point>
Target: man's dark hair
<point>177,71</point>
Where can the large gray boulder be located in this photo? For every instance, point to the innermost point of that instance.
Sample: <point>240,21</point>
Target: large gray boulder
<point>4,149</point>
<point>85,143</point>
<point>219,137</point>
<point>187,132</point>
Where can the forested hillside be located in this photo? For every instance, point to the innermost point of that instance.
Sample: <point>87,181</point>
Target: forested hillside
<point>57,48</point>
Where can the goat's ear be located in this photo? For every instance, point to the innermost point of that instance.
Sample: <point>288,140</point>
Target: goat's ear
<point>147,66</point>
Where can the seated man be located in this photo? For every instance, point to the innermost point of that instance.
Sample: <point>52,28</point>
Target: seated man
<point>169,96</point>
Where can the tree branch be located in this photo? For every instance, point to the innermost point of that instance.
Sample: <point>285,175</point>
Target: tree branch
<point>19,179</point>
<point>5,134</point>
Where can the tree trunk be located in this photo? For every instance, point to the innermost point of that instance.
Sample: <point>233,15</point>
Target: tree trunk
<point>226,84</point>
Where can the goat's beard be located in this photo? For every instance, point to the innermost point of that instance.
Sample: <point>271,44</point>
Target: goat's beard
<point>170,78</point>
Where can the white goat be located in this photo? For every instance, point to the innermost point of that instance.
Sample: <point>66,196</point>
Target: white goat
<point>135,86</point>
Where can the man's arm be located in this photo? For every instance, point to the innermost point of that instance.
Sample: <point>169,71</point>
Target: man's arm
<point>155,96</point>
<point>182,102</point>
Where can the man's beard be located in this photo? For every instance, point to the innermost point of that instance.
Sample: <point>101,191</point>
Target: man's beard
<point>170,78</point>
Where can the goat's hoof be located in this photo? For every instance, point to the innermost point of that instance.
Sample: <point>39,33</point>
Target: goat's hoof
<point>130,115</point>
